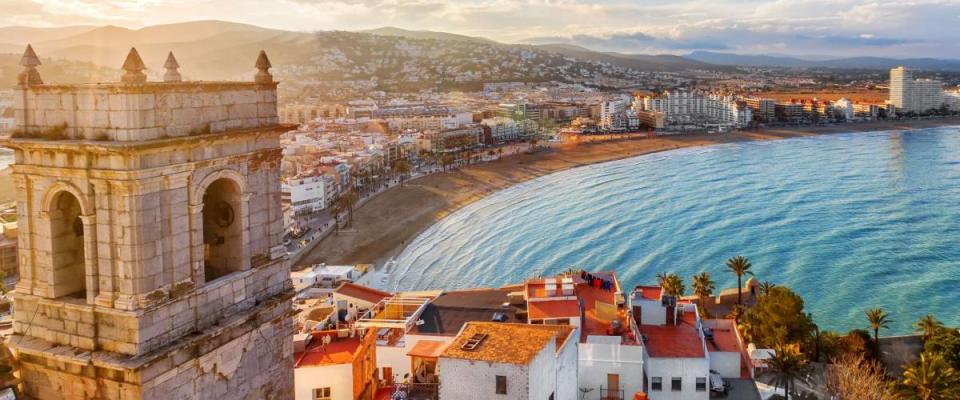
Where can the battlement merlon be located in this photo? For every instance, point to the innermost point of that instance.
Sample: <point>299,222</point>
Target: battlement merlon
<point>147,111</point>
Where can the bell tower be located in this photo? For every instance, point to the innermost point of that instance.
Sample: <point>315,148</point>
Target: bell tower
<point>150,254</point>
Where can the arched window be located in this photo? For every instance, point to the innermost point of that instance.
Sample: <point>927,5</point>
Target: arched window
<point>222,230</point>
<point>67,256</point>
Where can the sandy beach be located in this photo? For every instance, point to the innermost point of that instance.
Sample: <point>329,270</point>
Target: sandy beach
<point>386,223</point>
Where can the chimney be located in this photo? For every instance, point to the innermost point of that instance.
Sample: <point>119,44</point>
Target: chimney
<point>29,75</point>
<point>171,65</point>
<point>263,69</point>
<point>134,67</point>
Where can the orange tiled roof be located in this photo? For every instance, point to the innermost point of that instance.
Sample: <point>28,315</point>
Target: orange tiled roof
<point>507,343</point>
<point>428,348</point>
<point>361,292</point>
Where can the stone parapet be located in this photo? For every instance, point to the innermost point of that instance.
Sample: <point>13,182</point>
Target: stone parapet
<point>239,358</point>
<point>173,316</point>
<point>148,111</point>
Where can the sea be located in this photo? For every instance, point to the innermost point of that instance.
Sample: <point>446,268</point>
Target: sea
<point>849,221</point>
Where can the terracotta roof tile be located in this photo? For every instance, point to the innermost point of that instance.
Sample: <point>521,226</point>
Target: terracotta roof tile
<point>507,343</point>
<point>361,292</point>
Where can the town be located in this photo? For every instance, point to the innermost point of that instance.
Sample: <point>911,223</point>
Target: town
<point>159,234</point>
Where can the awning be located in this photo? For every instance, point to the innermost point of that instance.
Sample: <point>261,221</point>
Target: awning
<point>428,349</point>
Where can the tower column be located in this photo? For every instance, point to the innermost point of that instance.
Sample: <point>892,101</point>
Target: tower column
<point>91,272</point>
<point>196,243</point>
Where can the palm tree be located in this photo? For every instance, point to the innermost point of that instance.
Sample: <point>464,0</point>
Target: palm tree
<point>930,378</point>
<point>740,266</point>
<point>673,285</point>
<point>928,326</point>
<point>766,287</point>
<point>401,167</point>
<point>878,319</point>
<point>661,277</point>
<point>787,365</point>
<point>346,202</point>
<point>703,286</point>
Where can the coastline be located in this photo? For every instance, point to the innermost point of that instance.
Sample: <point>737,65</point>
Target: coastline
<point>384,225</point>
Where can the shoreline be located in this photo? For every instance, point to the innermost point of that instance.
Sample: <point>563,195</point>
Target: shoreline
<point>385,224</point>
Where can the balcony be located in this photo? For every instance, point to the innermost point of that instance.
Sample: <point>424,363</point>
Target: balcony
<point>610,394</point>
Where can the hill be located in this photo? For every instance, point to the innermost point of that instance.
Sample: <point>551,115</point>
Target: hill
<point>398,32</point>
<point>878,63</point>
<point>634,61</point>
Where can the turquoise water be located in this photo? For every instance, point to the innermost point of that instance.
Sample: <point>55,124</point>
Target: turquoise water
<point>850,221</point>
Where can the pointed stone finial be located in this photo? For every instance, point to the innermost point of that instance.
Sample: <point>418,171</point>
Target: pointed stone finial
<point>171,66</point>
<point>29,75</point>
<point>263,69</point>
<point>133,67</point>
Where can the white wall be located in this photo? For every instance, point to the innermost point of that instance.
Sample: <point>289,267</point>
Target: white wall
<point>596,360</point>
<point>543,373</point>
<point>397,358</point>
<point>338,377</point>
<point>476,380</point>
<point>568,369</point>
<point>688,369</point>
<point>726,363</point>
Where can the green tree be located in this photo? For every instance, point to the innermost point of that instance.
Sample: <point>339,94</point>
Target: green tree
<point>778,318</point>
<point>945,342</point>
<point>878,320</point>
<point>928,326</point>
<point>929,378</point>
<point>740,266</point>
<point>345,203</point>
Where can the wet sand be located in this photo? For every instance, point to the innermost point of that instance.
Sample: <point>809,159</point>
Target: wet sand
<point>386,223</point>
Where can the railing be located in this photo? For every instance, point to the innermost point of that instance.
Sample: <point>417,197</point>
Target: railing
<point>611,394</point>
<point>426,391</point>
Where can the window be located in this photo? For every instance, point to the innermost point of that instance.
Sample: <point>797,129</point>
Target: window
<point>701,384</point>
<point>501,384</point>
<point>321,394</point>
<point>656,384</point>
<point>676,384</point>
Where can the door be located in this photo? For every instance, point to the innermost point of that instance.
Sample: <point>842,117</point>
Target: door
<point>388,376</point>
<point>613,386</point>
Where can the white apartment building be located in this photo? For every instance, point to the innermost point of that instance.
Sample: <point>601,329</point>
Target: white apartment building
<point>502,129</point>
<point>307,194</point>
<point>491,360</point>
<point>914,95</point>
<point>613,114</point>
<point>696,108</point>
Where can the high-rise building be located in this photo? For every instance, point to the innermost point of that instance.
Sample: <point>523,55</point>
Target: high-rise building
<point>914,95</point>
<point>150,259</point>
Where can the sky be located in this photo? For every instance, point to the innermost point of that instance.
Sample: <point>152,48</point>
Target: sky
<point>904,28</point>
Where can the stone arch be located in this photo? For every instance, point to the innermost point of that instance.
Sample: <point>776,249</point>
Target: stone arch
<point>219,204</point>
<point>68,246</point>
<point>61,186</point>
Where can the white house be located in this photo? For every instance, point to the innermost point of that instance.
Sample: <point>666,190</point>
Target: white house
<point>676,363</point>
<point>323,275</point>
<point>491,360</point>
<point>307,195</point>
<point>334,365</point>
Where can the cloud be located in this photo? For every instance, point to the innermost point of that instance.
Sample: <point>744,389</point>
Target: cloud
<point>842,27</point>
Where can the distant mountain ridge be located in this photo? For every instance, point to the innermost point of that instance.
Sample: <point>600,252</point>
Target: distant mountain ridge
<point>225,50</point>
<point>840,63</point>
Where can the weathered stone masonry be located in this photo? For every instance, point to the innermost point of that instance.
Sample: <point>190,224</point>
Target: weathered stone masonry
<point>150,225</point>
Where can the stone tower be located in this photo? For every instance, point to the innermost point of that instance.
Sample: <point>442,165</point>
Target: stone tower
<point>149,243</point>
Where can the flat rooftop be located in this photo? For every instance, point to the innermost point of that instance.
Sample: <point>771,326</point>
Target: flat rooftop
<point>600,309</point>
<point>674,341</point>
<point>450,311</point>
<point>339,351</point>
